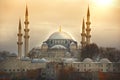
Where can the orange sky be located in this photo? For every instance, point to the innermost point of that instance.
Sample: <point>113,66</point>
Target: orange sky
<point>46,16</point>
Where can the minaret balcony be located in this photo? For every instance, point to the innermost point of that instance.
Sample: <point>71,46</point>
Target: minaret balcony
<point>83,42</point>
<point>26,37</point>
<point>88,23</point>
<point>88,29</point>
<point>26,22</point>
<point>19,34</point>
<point>26,30</point>
<point>19,43</point>
<point>83,34</point>
<point>88,36</point>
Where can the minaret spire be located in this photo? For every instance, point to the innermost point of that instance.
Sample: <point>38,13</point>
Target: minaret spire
<point>26,13</point>
<point>19,24</point>
<point>88,12</point>
<point>83,26</point>
<point>88,29</point>
<point>83,43</point>
<point>19,40</point>
<point>60,29</point>
<point>26,36</point>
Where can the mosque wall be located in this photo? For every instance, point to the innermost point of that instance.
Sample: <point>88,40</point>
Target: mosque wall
<point>12,64</point>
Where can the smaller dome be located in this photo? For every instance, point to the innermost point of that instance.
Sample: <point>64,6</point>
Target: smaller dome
<point>72,43</point>
<point>44,46</point>
<point>88,60</point>
<point>105,60</point>
<point>43,60</point>
<point>44,43</point>
<point>69,60</point>
<point>58,47</point>
<point>12,55</point>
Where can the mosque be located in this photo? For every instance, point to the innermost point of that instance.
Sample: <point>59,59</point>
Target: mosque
<point>59,47</point>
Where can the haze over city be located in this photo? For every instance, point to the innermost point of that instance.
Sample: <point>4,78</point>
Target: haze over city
<point>45,17</point>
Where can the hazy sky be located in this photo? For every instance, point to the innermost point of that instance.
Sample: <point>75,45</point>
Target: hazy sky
<point>46,16</point>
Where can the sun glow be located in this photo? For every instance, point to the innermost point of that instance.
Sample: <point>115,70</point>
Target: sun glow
<point>103,3</point>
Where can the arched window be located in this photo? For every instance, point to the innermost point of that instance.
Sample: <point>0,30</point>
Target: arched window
<point>18,70</point>
<point>10,70</point>
<point>23,69</point>
<point>14,70</point>
<point>65,41</point>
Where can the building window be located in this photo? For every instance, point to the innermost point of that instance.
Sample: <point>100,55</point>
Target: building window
<point>13,69</point>
<point>84,65</point>
<point>9,69</point>
<point>106,69</point>
<point>107,65</point>
<point>54,41</point>
<point>65,42</point>
<point>17,69</point>
<point>89,65</point>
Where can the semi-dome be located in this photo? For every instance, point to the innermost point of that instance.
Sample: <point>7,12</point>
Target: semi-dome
<point>69,60</point>
<point>105,60</point>
<point>58,47</point>
<point>60,35</point>
<point>87,60</point>
<point>72,43</point>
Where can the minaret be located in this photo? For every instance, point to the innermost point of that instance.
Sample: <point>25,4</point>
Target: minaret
<point>88,29</point>
<point>19,43</point>
<point>26,36</point>
<point>83,43</point>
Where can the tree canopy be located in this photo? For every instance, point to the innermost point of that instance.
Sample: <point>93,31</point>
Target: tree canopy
<point>90,51</point>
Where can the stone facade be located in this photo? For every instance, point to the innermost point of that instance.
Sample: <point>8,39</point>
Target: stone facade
<point>12,64</point>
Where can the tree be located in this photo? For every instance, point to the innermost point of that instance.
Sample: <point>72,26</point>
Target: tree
<point>90,51</point>
<point>111,53</point>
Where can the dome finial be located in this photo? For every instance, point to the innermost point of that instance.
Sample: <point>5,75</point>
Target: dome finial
<point>60,29</point>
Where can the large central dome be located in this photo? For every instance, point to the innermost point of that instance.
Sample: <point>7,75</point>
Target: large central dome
<point>60,35</point>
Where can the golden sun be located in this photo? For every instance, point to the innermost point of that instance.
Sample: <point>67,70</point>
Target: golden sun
<point>103,3</point>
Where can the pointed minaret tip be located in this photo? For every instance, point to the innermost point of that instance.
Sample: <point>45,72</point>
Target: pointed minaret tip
<point>26,10</point>
<point>83,25</point>
<point>60,29</point>
<point>19,23</point>
<point>88,12</point>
